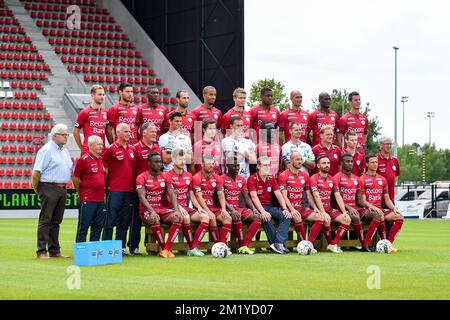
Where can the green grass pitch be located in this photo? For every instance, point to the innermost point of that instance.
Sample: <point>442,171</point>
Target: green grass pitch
<point>420,270</point>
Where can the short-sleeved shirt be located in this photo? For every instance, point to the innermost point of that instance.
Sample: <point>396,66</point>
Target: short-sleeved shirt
<point>155,115</point>
<point>389,168</point>
<point>53,163</point>
<point>374,188</point>
<point>318,119</point>
<point>333,153</point>
<point>349,187</point>
<point>141,154</point>
<point>181,185</point>
<point>155,189</point>
<point>359,163</point>
<point>207,186</point>
<point>187,124</point>
<point>303,148</point>
<point>230,144</point>
<point>357,124</point>
<point>245,116</point>
<point>263,189</point>
<point>120,163</point>
<point>301,117</point>
<point>273,151</point>
<point>89,169</point>
<point>201,113</point>
<point>259,114</point>
<point>118,113</point>
<point>325,187</point>
<point>213,149</point>
<point>295,185</point>
<point>233,188</point>
<point>175,140</point>
<point>92,122</point>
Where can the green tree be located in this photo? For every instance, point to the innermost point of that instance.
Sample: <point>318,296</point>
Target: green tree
<point>280,100</point>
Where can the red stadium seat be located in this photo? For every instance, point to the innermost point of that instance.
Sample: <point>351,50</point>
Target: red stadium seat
<point>25,184</point>
<point>29,160</point>
<point>7,184</point>
<point>27,172</point>
<point>18,172</point>
<point>16,184</point>
<point>2,172</point>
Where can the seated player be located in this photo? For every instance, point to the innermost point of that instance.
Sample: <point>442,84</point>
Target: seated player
<point>151,187</point>
<point>351,192</point>
<point>235,185</point>
<point>182,185</point>
<point>376,191</point>
<point>294,183</point>
<point>322,188</point>
<point>206,184</point>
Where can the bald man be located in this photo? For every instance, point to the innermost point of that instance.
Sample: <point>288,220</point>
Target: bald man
<point>295,114</point>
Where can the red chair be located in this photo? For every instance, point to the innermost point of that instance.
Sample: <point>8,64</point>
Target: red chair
<point>30,148</point>
<point>27,172</point>
<point>22,148</point>
<point>13,149</point>
<point>2,172</point>
<point>20,160</point>
<point>25,184</point>
<point>7,184</point>
<point>16,184</point>
<point>11,137</point>
<point>29,160</point>
<point>9,172</point>
<point>18,172</point>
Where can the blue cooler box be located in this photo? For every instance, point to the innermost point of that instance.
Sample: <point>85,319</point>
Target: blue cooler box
<point>97,252</point>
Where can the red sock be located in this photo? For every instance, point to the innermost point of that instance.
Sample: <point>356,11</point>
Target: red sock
<point>173,232</point>
<point>237,227</point>
<point>395,230</point>
<point>340,233</point>
<point>158,234</point>
<point>373,226</point>
<point>199,234</point>
<point>382,230</point>
<point>252,230</point>
<point>327,233</point>
<point>213,234</point>
<point>300,229</point>
<point>359,232</point>
<point>187,231</point>
<point>224,231</point>
<point>315,229</point>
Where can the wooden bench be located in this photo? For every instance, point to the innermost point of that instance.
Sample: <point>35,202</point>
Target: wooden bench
<point>152,246</point>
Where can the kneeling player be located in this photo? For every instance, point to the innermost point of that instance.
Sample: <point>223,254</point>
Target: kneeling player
<point>376,191</point>
<point>293,185</point>
<point>151,187</point>
<point>182,184</point>
<point>322,188</point>
<point>234,186</point>
<point>206,184</point>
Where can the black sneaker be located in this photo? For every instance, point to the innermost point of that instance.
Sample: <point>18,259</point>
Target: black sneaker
<point>135,252</point>
<point>366,249</point>
<point>124,253</point>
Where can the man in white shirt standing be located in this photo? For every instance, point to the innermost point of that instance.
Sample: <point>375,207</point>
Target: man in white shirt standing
<point>236,143</point>
<point>297,145</point>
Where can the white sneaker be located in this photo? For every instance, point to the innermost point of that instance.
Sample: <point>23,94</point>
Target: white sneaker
<point>333,248</point>
<point>339,249</point>
<point>195,253</point>
<point>229,253</point>
<point>313,251</point>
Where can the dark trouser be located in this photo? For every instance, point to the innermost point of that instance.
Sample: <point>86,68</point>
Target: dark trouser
<point>119,209</point>
<point>53,203</point>
<point>273,235</point>
<point>90,214</point>
<point>135,227</point>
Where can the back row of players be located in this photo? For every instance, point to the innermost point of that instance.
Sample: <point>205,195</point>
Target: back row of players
<point>249,136</point>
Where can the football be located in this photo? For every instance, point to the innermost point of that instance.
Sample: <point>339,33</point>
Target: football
<point>384,246</point>
<point>305,248</point>
<point>219,250</point>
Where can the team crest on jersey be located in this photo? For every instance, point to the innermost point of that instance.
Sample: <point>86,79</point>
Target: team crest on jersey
<point>363,122</point>
<point>302,181</point>
<point>358,162</point>
<point>305,117</point>
<point>160,113</point>
<point>274,116</point>
<point>247,118</point>
<point>190,119</point>
<point>332,118</point>
<point>131,155</point>
<point>335,156</point>
<point>269,189</point>
<point>216,116</point>
<point>213,184</point>
<point>394,168</point>
<point>162,184</point>
<point>240,185</point>
<point>104,116</point>
<point>380,182</point>
<point>331,185</point>
<point>134,112</point>
<point>355,182</point>
<point>188,182</point>
<point>218,149</point>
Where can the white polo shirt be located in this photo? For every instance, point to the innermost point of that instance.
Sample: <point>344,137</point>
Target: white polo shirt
<point>230,144</point>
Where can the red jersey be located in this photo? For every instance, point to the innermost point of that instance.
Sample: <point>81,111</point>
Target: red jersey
<point>358,124</point>
<point>232,189</point>
<point>155,189</point>
<point>181,185</point>
<point>288,116</point>
<point>325,187</point>
<point>118,113</point>
<point>273,151</point>
<point>214,150</point>
<point>187,126</point>
<point>141,155</point>
<point>156,115</point>
<point>120,163</point>
<point>93,123</point>
<point>374,189</point>
<point>245,116</point>
<point>359,163</point>
<point>259,114</point>
<point>295,186</point>
<point>389,168</point>
<point>89,169</point>
<point>263,189</point>
<point>318,119</point>
<point>207,186</point>
<point>349,187</point>
<point>334,154</point>
<point>201,113</point>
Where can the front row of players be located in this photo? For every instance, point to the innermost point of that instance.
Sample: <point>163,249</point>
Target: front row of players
<point>231,200</point>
